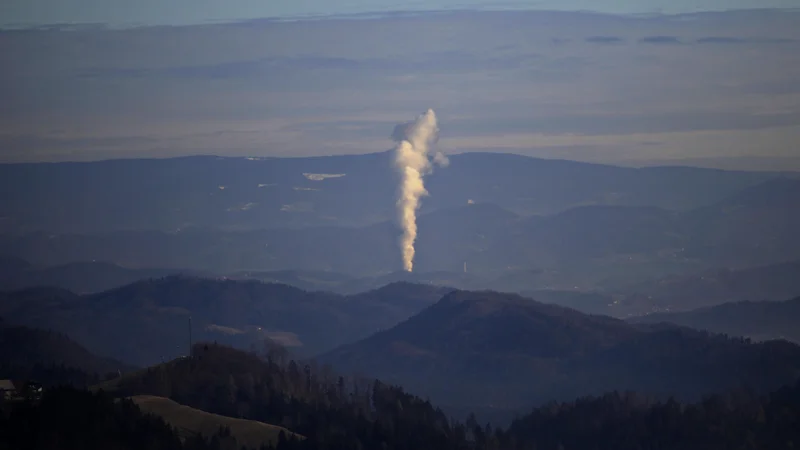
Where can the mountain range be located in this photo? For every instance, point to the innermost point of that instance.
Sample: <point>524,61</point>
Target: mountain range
<point>150,320</point>
<point>257,193</point>
<point>586,246</point>
<point>671,293</point>
<point>482,351</point>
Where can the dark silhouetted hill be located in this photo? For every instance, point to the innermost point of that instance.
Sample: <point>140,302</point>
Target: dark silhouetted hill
<point>28,346</point>
<point>68,418</point>
<point>50,358</point>
<point>149,320</point>
<point>627,421</point>
<point>328,410</point>
<point>486,348</point>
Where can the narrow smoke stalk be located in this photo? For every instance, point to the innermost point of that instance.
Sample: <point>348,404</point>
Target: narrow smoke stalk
<point>413,162</point>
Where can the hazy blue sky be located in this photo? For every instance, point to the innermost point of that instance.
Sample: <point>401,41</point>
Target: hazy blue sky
<point>122,12</point>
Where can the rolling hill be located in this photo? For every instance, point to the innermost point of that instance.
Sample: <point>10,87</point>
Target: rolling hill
<point>502,350</point>
<point>149,320</point>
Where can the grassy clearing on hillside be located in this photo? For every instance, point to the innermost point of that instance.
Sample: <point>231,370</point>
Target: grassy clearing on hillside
<point>112,385</point>
<point>188,420</point>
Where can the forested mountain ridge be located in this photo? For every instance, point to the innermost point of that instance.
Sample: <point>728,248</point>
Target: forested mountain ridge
<point>50,358</point>
<point>28,346</point>
<point>340,412</point>
<point>626,421</point>
<point>351,413</point>
<point>147,321</point>
<point>507,351</point>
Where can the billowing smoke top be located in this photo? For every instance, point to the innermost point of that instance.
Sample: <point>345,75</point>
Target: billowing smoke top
<point>413,161</point>
<point>402,131</point>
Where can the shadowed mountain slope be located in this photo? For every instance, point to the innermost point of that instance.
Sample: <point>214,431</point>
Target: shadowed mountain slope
<point>487,348</point>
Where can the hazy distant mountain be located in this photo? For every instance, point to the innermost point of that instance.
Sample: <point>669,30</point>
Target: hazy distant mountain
<point>307,280</point>
<point>348,250</point>
<point>674,292</point>
<point>447,238</point>
<point>256,193</point>
<point>756,320</point>
<point>147,320</point>
<point>522,282</point>
<point>600,231</point>
<point>583,247</point>
<point>472,233</point>
<point>585,302</point>
<point>755,226</point>
<point>484,348</point>
<point>79,277</point>
<point>713,287</point>
<point>42,296</point>
<point>11,265</point>
<point>310,280</point>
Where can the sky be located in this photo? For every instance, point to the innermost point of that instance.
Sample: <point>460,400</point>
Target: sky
<point>720,90</point>
<point>160,12</point>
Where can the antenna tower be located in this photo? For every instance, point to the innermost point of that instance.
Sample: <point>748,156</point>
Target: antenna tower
<point>190,336</point>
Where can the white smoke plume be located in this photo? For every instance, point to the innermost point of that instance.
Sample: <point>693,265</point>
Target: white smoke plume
<point>412,160</point>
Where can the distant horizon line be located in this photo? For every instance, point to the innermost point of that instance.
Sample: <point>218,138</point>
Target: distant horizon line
<point>366,15</point>
<point>646,164</point>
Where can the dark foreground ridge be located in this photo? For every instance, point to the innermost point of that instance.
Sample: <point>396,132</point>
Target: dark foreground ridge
<point>334,412</point>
